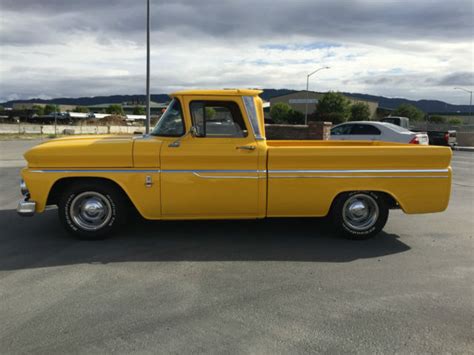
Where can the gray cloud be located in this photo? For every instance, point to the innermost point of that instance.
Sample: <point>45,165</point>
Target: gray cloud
<point>461,78</point>
<point>363,21</point>
<point>28,26</point>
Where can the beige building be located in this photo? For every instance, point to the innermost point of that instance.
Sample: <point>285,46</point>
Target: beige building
<point>298,101</point>
<point>30,105</point>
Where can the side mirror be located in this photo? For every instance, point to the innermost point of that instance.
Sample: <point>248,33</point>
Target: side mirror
<point>192,131</point>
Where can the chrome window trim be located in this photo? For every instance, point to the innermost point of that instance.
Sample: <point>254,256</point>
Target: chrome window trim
<point>251,110</point>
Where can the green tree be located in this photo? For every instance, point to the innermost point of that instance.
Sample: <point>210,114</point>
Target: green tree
<point>139,110</point>
<point>2,108</point>
<point>50,109</point>
<point>360,111</point>
<point>279,112</point>
<point>295,117</point>
<point>410,111</point>
<point>39,110</point>
<point>455,121</point>
<point>82,109</point>
<point>437,119</point>
<point>115,109</point>
<point>333,106</point>
<point>210,113</point>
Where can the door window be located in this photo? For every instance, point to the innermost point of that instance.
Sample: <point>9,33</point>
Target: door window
<point>365,129</point>
<point>341,130</point>
<point>218,119</point>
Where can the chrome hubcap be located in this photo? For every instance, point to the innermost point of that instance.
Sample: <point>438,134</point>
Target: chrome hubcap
<point>90,210</point>
<point>360,212</point>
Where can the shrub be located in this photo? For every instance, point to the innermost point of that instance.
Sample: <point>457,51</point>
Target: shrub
<point>334,117</point>
<point>437,119</point>
<point>410,111</point>
<point>333,105</point>
<point>115,109</point>
<point>82,109</point>
<point>50,108</point>
<point>455,121</point>
<point>139,110</point>
<point>279,112</point>
<point>360,112</point>
<point>295,117</point>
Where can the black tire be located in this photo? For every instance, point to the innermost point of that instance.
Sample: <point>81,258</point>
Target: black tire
<point>92,210</point>
<point>348,207</point>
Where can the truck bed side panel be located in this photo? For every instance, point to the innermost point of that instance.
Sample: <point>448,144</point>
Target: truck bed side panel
<point>304,180</point>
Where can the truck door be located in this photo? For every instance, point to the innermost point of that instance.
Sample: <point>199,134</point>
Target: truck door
<point>212,173</point>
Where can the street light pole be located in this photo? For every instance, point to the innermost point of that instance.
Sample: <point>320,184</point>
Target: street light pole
<point>470,100</point>
<point>147,122</point>
<point>307,92</point>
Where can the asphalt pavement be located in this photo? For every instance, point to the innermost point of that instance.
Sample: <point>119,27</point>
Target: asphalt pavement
<point>271,286</point>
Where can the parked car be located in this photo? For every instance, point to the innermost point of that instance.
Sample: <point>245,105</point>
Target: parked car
<point>191,167</point>
<point>376,131</point>
<point>443,138</point>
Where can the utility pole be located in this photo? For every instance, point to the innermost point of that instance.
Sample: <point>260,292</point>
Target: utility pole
<point>470,101</point>
<point>147,122</point>
<point>307,92</point>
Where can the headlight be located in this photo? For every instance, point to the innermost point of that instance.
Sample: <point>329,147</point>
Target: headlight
<point>23,188</point>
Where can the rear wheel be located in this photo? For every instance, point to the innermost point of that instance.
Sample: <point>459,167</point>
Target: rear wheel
<point>91,210</point>
<point>360,215</point>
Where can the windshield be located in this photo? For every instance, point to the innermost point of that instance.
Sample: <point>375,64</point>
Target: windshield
<point>171,123</point>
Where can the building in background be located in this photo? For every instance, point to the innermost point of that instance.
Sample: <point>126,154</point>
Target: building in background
<point>128,107</point>
<point>30,105</point>
<point>297,101</point>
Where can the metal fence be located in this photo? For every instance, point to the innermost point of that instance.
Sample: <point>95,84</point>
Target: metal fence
<point>22,128</point>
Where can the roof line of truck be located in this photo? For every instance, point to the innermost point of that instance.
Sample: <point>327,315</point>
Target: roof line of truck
<point>220,92</point>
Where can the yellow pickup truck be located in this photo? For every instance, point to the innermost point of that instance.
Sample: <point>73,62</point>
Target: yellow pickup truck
<point>207,158</point>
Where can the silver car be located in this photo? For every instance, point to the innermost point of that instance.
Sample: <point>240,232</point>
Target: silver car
<point>376,131</point>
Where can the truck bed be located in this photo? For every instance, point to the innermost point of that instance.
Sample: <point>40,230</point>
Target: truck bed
<point>305,177</point>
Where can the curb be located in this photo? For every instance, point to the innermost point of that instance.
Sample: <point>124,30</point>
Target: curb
<point>464,149</point>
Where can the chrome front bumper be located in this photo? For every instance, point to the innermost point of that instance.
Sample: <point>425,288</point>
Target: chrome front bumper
<point>26,208</point>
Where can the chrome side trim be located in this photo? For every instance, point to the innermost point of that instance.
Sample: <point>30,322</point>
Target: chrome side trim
<point>224,177</point>
<point>215,171</point>
<point>359,171</point>
<point>386,171</point>
<point>359,177</point>
<point>96,171</point>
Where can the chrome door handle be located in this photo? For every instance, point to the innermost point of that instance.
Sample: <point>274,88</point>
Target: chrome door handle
<point>246,147</point>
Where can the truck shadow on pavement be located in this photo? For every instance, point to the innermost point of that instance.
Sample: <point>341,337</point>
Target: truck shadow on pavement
<point>41,242</point>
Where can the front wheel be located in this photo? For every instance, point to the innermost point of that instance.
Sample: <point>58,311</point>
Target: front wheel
<point>91,210</point>
<point>359,215</point>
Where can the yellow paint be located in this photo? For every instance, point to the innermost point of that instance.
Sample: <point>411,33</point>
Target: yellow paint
<point>210,178</point>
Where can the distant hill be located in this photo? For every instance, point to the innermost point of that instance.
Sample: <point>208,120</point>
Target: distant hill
<point>90,101</point>
<point>429,106</point>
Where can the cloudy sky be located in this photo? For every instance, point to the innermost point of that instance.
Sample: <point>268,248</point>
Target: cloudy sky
<point>398,48</point>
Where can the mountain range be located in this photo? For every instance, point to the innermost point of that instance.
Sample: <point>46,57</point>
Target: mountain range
<point>429,106</point>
